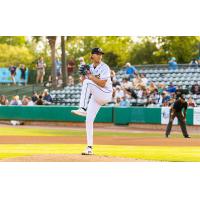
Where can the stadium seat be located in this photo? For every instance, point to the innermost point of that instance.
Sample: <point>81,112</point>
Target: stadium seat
<point>198,101</point>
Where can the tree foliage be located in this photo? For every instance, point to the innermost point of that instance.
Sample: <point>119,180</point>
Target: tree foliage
<point>116,48</point>
<point>14,55</point>
<point>184,48</point>
<point>13,40</point>
<point>143,52</point>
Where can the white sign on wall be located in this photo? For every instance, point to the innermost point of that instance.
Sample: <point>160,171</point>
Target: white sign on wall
<point>165,114</point>
<point>196,116</point>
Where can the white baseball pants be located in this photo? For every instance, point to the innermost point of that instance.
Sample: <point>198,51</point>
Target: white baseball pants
<point>99,97</point>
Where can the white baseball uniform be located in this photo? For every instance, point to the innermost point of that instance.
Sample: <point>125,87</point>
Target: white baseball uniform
<point>99,96</point>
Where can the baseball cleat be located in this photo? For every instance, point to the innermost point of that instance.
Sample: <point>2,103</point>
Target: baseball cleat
<point>88,151</point>
<point>79,112</point>
<point>166,136</point>
<point>187,136</point>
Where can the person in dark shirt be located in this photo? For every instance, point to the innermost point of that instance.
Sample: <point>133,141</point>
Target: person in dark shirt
<point>12,70</point>
<point>178,110</point>
<point>195,89</point>
<point>23,73</point>
<point>34,97</point>
<point>39,101</point>
<point>47,97</point>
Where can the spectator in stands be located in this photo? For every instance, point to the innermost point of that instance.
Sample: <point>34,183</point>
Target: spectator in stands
<point>30,102</point>
<point>171,88</point>
<point>23,73</point>
<point>58,68</point>
<point>40,67</point>
<point>193,63</point>
<point>15,101</point>
<point>124,102</point>
<point>70,81</point>
<point>40,100</point>
<point>191,102</point>
<point>117,102</point>
<point>144,79</point>
<point>142,93</point>
<point>25,101</point>
<point>152,87</point>
<point>59,83</point>
<point>131,92</point>
<point>34,97</point>
<point>161,88</point>
<point>3,100</point>
<point>137,82</point>
<point>126,83</point>
<point>70,67</point>
<point>112,75</point>
<point>130,70</point>
<point>12,70</point>
<point>180,91</point>
<point>172,64</point>
<point>195,89</point>
<point>115,82</point>
<point>165,97</point>
<point>153,97</point>
<point>119,92</point>
<point>47,97</point>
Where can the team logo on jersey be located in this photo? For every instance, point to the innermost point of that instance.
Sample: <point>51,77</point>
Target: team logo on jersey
<point>97,76</point>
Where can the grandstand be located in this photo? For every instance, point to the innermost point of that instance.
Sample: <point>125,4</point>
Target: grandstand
<point>20,90</point>
<point>184,76</point>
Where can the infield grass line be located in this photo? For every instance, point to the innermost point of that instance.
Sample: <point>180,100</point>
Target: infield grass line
<point>149,153</point>
<point>17,131</point>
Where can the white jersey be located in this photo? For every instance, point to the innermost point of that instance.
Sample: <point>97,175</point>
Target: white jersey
<point>102,71</point>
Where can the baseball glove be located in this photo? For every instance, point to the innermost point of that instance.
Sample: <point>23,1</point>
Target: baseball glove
<point>84,70</point>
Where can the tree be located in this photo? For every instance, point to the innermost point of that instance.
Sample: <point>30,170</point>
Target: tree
<point>15,55</point>
<point>64,71</point>
<point>144,52</point>
<point>13,40</point>
<point>52,43</point>
<point>116,48</point>
<point>184,48</point>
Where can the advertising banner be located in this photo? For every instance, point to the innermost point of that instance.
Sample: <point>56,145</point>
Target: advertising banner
<point>165,113</point>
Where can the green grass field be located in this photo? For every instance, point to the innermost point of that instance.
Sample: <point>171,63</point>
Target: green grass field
<point>18,131</point>
<point>149,153</point>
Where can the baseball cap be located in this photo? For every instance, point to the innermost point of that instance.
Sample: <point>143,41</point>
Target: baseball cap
<point>97,51</point>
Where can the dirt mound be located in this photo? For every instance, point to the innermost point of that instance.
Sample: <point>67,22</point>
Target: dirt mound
<point>68,158</point>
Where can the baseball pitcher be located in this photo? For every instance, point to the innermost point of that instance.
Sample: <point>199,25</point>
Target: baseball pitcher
<point>97,83</point>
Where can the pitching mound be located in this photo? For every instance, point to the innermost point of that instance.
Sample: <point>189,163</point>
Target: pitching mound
<point>68,158</point>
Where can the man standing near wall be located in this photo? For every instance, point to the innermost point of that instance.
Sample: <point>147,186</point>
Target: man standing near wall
<point>176,111</point>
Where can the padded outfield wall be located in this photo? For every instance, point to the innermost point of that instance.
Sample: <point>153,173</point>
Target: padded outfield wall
<point>116,115</point>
